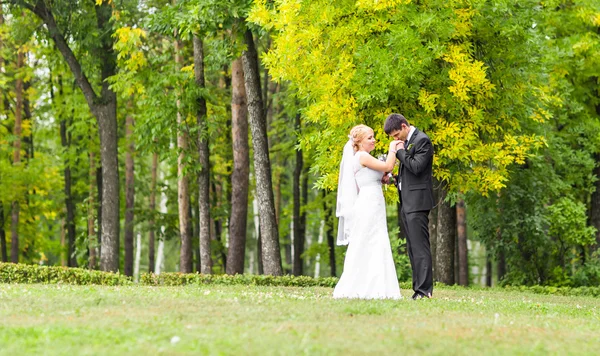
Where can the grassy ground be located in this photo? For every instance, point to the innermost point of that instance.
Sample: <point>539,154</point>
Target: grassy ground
<point>78,320</point>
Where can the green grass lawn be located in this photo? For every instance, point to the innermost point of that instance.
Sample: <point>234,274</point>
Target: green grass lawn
<point>140,320</point>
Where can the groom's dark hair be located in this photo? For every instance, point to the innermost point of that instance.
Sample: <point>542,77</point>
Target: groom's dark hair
<point>394,122</point>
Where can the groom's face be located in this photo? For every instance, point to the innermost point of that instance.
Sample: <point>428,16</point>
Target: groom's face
<point>401,134</point>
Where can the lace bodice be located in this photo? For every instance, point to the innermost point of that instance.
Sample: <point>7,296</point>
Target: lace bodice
<point>365,176</point>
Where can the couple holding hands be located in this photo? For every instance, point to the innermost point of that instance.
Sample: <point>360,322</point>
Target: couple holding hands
<point>369,269</point>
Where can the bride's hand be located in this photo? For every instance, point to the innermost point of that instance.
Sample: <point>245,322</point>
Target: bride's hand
<point>394,146</point>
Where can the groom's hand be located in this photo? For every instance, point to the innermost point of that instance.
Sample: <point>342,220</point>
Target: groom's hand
<point>400,145</point>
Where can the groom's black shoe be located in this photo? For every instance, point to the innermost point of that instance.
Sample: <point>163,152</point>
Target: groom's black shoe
<point>418,296</point>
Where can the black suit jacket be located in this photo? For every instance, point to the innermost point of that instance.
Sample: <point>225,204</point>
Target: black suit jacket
<point>416,160</point>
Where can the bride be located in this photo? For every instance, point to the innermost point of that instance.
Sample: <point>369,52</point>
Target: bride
<point>369,270</point>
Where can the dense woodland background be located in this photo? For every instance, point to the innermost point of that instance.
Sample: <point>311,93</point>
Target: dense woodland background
<point>205,135</point>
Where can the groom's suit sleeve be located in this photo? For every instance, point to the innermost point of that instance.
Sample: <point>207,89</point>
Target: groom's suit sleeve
<point>417,162</point>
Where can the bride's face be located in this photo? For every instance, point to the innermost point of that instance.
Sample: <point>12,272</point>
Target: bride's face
<point>368,143</point>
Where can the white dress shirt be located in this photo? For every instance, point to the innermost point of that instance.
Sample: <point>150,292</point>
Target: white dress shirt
<point>410,133</point>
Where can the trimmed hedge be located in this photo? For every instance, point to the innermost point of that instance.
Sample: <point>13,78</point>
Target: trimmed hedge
<point>179,279</point>
<point>22,273</point>
<point>550,290</point>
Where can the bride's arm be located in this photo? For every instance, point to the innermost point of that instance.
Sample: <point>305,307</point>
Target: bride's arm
<point>369,161</point>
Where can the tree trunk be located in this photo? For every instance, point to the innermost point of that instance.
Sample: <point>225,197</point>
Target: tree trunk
<point>14,248</point>
<point>70,206</point>
<point>3,234</point>
<point>488,270</point>
<point>3,250</point>
<point>303,202</point>
<point>433,224</point>
<point>595,205</point>
<point>160,251</point>
<point>160,257</point>
<point>138,255</point>
<point>66,140</point>
<point>129,195</point>
<point>63,244</point>
<point>259,259</point>
<point>461,237</point>
<point>241,171</point>
<point>185,253</point>
<point>203,160</point>
<point>195,228</point>
<point>90,214</point>
<point>103,107</point>
<point>501,265</point>
<point>271,254</point>
<point>28,140</point>
<point>298,241</point>
<point>109,259</point>
<point>319,241</point>
<point>329,233</point>
<point>99,210</point>
<point>151,222</point>
<point>446,238</point>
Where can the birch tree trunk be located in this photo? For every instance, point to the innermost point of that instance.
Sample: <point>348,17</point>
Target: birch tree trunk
<point>151,222</point>
<point>160,252</point>
<point>203,161</point>
<point>241,171</point>
<point>461,237</point>
<point>255,214</point>
<point>271,254</point>
<point>319,241</point>
<point>138,256</point>
<point>129,195</point>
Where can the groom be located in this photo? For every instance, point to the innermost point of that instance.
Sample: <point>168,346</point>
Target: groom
<point>416,198</point>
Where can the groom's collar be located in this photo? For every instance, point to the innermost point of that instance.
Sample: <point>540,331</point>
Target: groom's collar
<point>411,133</point>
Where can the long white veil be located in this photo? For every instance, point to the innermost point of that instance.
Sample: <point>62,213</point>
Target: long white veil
<point>346,194</point>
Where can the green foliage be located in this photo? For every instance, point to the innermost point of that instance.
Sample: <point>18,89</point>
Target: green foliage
<point>177,279</point>
<point>21,273</point>
<point>35,274</point>
<point>568,219</point>
<point>551,290</point>
<point>540,221</point>
<point>356,62</point>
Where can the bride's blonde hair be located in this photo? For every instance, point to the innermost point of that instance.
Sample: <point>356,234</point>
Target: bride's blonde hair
<point>359,133</point>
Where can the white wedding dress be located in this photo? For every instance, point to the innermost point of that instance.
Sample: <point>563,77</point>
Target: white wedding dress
<point>369,270</point>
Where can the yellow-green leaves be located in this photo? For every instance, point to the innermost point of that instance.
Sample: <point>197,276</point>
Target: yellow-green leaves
<point>378,5</point>
<point>131,60</point>
<point>358,61</point>
<point>128,44</point>
<point>468,75</point>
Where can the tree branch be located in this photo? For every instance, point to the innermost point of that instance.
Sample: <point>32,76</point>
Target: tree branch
<point>45,14</point>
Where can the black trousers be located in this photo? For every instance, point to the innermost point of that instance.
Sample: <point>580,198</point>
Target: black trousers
<point>416,226</point>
